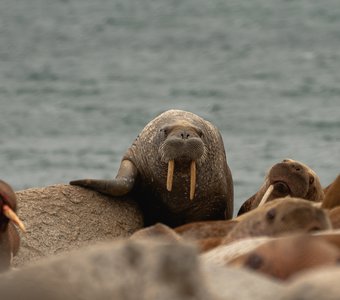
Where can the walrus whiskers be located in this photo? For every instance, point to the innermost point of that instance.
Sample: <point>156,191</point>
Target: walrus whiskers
<point>169,180</point>
<point>266,195</point>
<point>10,214</point>
<point>192,179</point>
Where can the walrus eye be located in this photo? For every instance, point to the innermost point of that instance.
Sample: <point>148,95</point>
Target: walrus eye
<point>165,130</point>
<point>254,261</point>
<point>271,214</point>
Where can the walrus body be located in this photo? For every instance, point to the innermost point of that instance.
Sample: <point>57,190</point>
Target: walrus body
<point>275,218</point>
<point>176,170</point>
<point>287,178</point>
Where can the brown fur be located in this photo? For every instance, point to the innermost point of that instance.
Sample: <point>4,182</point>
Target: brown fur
<point>291,178</point>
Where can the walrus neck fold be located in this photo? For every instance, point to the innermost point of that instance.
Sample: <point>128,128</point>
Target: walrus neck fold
<point>170,176</point>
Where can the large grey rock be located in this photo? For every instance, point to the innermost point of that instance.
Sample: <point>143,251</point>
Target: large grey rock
<point>62,217</point>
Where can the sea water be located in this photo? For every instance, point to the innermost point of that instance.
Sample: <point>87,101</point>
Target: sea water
<point>80,78</point>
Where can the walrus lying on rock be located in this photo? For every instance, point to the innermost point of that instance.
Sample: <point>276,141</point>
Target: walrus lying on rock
<point>176,170</point>
<point>287,178</point>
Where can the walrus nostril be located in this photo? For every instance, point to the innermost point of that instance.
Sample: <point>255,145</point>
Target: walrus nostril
<point>185,135</point>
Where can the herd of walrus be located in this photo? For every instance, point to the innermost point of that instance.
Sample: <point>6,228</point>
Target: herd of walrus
<point>177,172</point>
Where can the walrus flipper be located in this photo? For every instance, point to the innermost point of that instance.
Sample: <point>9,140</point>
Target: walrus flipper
<point>120,186</point>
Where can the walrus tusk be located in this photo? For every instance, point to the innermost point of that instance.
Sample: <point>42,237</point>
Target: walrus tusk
<point>192,179</point>
<point>266,195</point>
<point>10,214</point>
<point>169,180</point>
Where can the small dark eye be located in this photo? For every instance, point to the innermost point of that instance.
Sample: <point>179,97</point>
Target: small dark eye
<point>254,261</point>
<point>271,214</point>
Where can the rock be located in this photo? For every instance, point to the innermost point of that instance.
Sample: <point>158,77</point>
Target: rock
<point>320,283</point>
<point>62,217</point>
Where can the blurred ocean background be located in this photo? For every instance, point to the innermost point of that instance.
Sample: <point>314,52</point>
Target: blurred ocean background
<point>80,78</point>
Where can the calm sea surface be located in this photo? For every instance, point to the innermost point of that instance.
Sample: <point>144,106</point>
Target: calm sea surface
<point>80,78</point>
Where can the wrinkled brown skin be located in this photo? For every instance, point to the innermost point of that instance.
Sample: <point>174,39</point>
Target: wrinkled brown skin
<point>9,237</point>
<point>275,218</point>
<point>332,194</point>
<point>289,177</point>
<point>143,171</point>
<point>281,258</point>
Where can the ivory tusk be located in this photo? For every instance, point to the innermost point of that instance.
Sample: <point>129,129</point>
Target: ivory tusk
<point>170,177</point>
<point>266,195</point>
<point>10,214</point>
<point>192,179</point>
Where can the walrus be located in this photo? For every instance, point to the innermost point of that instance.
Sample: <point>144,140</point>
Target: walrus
<point>275,218</point>
<point>284,257</point>
<point>9,237</point>
<point>287,178</point>
<point>332,194</point>
<point>176,170</point>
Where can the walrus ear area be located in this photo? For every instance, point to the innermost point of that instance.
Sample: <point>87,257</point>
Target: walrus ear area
<point>311,179</point>
<point>271,214</point>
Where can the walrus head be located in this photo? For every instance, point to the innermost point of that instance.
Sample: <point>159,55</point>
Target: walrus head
<point>181,142</point>
<point>8,207</point>
<point>294,179</point>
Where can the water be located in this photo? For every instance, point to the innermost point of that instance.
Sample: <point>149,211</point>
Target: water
<point>80,78</point>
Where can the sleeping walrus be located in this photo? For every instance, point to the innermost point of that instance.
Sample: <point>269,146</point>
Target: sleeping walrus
<point>176,170</point>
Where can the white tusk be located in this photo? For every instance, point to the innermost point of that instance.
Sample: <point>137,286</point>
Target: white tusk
<point>170,177</point>
<point>266,195</point>
<point>10,214</point>
<point>192,179</point>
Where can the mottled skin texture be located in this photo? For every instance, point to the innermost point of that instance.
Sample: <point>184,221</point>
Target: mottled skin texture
<point>289,178</point>
<point>143,172</point>
<point>9,237</point>
<point>284,257</point>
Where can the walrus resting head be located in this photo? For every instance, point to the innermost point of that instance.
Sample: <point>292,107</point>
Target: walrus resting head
<point>280,216</point>
<point>283,257</point>
<point>182,143</point>
<point>287,178</point>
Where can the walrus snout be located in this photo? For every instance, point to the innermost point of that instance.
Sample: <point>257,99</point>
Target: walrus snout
<point>182,142</point>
